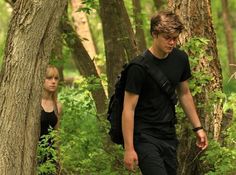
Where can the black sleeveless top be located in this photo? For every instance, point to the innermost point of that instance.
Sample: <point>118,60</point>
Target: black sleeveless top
<point>47,119</point>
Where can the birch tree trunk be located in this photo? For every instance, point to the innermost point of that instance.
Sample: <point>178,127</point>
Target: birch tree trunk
<point>28,47</point>
<point>196,16</point>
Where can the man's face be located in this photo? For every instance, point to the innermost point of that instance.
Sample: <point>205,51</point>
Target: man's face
<point>166,42</point>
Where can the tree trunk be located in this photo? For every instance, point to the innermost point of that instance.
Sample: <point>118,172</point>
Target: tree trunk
<point>139,33</point>
<point>82,29</point>
<point>196,16</point>
<point>28,47</point>
<point>85,65</point>
<point>229,36</point>
<point>57,52</point>
<point>120,45</point>
<point>127,33</point>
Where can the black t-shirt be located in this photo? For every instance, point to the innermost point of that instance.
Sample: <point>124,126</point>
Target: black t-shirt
<point>47,119</point>
<point>154,112</point>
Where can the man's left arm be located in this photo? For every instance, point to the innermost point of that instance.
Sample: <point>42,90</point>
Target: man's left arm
<point>187,103</point>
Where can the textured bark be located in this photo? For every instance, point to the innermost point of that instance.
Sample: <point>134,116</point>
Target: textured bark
<point>120,45</point>
<point>127,33</point>
<point>196,16</point>
<point>229,36</point>
<point>28,47</point>
<point>84,64</point>
<point>57,52</point>
<point>82,28</point>
<point>139,32</point>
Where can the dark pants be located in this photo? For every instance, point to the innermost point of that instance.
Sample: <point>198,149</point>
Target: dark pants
<point>156,157</point>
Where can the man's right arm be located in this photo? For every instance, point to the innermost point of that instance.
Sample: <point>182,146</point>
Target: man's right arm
<point>130,156</point>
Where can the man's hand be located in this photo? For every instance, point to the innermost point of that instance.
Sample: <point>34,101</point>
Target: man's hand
<point>202,141</point>
<point>130,159</point>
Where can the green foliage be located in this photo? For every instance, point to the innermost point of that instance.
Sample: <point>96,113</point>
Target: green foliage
<point>89,5</point>
<point>231,130</point>
<point>195,48</point>
<point>68,62</point>
<point>4,20</point>
<point>222,160</point>
<point>47,153</point>
<point>218,159</point>
<point>54,60</point>
<point>83,135</point>
<point>229,86</point>
<point>201,76</point>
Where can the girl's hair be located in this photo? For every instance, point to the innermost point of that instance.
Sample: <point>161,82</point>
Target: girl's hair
<point>165,22</point>
<point>54,95</point>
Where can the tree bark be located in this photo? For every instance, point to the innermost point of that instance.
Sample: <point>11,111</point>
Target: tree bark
<point>120,45</point>
<point>28,47</point>
<point>229,36</point>
<point>57,52</point>
<point>85,65</point>
<point>196,16</point>
<point>139,33</point>
<point>82,29</point>
<point>127,33</point>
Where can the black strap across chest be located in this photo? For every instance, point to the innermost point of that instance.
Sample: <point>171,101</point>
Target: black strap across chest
<point>157,75</point>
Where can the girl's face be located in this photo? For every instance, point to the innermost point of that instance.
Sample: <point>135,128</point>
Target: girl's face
<point>51,80</point>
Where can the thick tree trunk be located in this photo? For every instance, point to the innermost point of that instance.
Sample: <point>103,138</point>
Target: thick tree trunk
<point>85,65</point>
<point>139,32</point>
<point>28,47</point>
<point>229,36</point>
<point>120,45</point>
<point>196,16</point>
<point>114,51</point>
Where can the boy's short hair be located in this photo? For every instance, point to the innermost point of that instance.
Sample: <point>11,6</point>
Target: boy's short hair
<point>165,22</point>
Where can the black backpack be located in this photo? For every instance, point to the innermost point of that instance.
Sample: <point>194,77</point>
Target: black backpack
<point>115,106</point>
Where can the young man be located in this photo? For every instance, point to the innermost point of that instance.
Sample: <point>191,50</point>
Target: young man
<point>148,119</point>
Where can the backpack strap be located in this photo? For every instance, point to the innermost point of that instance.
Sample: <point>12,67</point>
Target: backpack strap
<point>160,78</point>
<point>157,75</point>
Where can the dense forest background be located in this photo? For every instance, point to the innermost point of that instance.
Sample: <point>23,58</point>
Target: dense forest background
<point>89,51</point>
